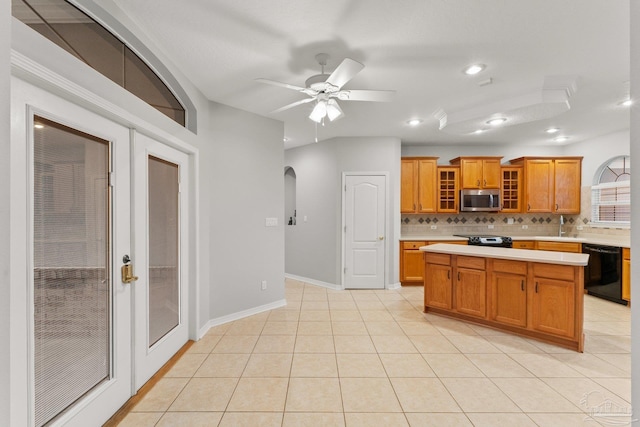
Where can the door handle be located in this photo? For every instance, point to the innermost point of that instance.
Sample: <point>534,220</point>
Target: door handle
<point>522,285</point>
<point>380,237</point>
<point>127,270</point>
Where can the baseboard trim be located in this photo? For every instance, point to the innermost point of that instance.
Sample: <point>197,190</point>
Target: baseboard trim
<point>313,282</point>
<point>240,315</point>
<point>393,286</point>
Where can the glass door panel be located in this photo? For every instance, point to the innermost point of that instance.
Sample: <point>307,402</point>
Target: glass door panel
<point>72,284</point>
<point>164,282</point>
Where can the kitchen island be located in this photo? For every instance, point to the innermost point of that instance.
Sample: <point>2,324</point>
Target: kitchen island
<point>537,294</point>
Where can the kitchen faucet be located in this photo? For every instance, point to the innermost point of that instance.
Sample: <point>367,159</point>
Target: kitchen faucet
<point>560,232</point>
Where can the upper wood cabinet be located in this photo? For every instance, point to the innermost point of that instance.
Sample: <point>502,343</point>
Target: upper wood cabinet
<point>448,194</point>
<point>418,193</point>
<point>551,184</point>
<point>511,193</point>
<point>478,172</point>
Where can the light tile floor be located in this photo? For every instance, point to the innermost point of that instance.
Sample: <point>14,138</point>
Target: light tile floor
<point>372,358</point>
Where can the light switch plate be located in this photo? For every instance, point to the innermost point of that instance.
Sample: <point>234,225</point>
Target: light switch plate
<point>271,222</point>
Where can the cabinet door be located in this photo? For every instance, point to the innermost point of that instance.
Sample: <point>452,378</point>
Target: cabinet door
<point>408,186</point>
<point>491,173</point>
<point>471,170</point>
<point>509,299</point>
<point>567,177</point>
<point>626,274</point>
<point>448,193</point>
<point>511,192</point>
<point>427,178</point>
<point>412,266</point>
<point>437,286</point>
<point>539,185</point>
<point>471,292</point>
<point>553,306</point>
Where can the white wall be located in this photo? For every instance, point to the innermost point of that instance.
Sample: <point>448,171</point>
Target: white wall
<point>242,183</point>
<point>597,151</point>
<point>5,226</point>
<point>313,248</point>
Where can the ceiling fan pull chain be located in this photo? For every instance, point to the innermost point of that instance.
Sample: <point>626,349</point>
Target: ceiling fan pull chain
<point>316,125</point>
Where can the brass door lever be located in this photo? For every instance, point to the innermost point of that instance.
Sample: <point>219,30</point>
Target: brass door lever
<point>127,270</point>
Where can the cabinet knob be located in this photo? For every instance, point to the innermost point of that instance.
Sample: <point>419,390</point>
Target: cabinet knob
<point>528,206</point>
<point>556,206</point>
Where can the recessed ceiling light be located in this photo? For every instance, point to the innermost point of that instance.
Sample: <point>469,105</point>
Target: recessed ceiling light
<point>38,126</point>
<point>552,130</point>
<point>560,138</point>
<point>414,122</point>
<point>285,139</point>
<point>473,69</point>
<point>497,121</point>
<point>479,131</point>
<point>626,102</point>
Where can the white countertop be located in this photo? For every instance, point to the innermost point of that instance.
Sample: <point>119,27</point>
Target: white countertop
<point>621,241</point>
<point>527,255</point>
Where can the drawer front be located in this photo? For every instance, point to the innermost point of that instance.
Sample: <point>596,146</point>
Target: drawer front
<point>524,244</point>
<point>433,258</point>
<point>554,271</point>
<point>506,266</point>
<point>413,245</point>
<point>470,262</point>
<point>559,246</point>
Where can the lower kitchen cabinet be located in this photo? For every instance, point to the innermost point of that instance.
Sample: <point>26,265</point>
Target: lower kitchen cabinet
<point>471,286</point>
<point>529,298</point>
<point>558,246</point>
<point>412,261</point>
<point>508,297</point>
<point>438,273</point>
<point>626,274</point>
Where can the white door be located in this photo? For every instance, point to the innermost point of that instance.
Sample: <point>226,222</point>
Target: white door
<point>160,248</point>
<point>72,364</point>
<point>364,231</point>
<point>76,339</point>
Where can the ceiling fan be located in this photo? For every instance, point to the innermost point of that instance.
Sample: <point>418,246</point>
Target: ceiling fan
<point>326,89</point>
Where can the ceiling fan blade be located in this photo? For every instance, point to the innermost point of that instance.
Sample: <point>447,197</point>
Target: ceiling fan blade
<point>286,85</point>
<point>366,95</point>
<point>293,104</point>
<point>347,70</point>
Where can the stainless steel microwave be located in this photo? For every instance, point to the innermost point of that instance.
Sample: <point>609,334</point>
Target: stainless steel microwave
<point>480,200</point>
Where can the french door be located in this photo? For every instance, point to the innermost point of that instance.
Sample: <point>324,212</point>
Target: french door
<point>102,206</point>
<point>160,246</point>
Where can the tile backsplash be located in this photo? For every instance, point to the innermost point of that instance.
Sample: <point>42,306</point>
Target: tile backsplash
<point>523,224</point>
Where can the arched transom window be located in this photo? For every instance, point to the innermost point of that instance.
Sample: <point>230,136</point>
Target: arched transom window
<point>611,193</point>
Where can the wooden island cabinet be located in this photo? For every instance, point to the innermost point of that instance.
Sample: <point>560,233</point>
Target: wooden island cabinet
<point>537,294</point>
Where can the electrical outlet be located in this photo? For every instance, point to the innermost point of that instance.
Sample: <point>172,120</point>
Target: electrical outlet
<point>524,227</point>
<point>510,221</point>
<point>579,227</point>
<point>263,285</point>
<point>434,227</point>
<point>491,226</point>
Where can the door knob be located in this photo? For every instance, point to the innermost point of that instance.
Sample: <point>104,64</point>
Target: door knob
<point>127,270</point>
<point>380,237</point>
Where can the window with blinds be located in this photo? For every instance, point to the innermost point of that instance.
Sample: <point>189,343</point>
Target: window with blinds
<point>611,196</point>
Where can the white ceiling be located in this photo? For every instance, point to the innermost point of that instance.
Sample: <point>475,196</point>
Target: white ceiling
<point>417,48</point>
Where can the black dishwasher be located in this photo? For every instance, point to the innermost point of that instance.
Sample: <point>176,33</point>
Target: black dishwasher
<point>603,274</point>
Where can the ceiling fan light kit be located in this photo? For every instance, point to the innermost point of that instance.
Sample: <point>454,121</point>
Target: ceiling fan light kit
<point>326,89</point>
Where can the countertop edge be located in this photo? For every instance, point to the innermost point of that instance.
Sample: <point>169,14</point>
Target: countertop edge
<point>526,255</point>
<point>623,242</point>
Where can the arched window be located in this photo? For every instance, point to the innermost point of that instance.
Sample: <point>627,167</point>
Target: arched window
<point>117,59</point>
<point>611,193</point>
